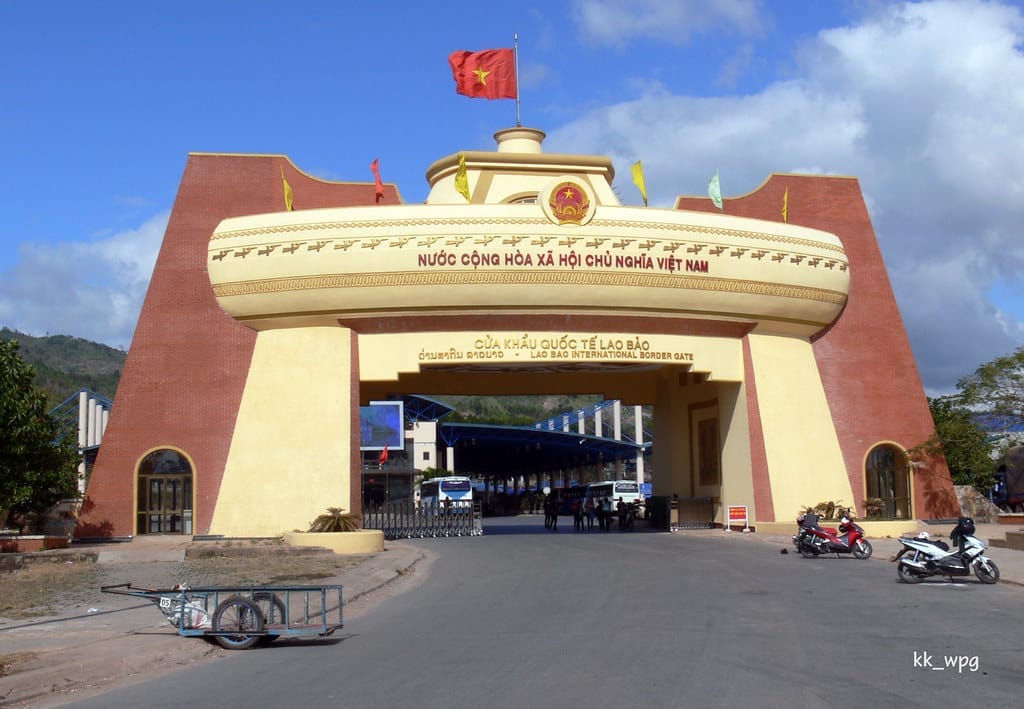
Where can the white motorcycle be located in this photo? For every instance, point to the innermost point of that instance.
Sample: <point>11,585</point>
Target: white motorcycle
<point>922,557</point>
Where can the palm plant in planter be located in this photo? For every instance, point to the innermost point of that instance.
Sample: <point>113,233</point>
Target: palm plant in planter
<point>874,506</point>
<point>336,520</point>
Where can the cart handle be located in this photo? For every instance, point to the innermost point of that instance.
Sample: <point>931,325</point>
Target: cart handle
<point>127,588</point>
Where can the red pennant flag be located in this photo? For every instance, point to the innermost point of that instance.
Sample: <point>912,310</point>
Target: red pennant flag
<point>375,169</point>
<point>384,453</point>
<point>487,74</point>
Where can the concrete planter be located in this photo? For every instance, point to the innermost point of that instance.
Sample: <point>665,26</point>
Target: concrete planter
<point>363,541</point>
<point>21,543</point>
<point>1011,518</point>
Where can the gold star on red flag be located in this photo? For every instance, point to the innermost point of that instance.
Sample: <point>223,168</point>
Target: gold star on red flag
<point>481,75</point>
<point>487,74</point>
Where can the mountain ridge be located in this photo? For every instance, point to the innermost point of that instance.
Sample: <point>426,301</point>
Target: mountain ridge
<point>65,365</point>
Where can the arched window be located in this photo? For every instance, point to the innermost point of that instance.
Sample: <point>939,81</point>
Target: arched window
<point>887,482</point>
<point>165,493</point>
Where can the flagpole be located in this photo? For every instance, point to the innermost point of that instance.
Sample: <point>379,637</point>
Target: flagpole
<point>515,38</point>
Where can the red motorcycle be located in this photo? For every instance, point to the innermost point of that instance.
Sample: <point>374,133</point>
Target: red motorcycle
<point>814,540</point>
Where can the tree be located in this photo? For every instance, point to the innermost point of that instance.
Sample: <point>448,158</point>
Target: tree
<point>997,388</point>
<point>967,447</point>
<point>35,471</point>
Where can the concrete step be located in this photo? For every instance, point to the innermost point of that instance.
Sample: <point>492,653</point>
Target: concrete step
<point>1013,540</point>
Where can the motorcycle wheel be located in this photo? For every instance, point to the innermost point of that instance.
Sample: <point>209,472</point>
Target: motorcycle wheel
<point>987,572</point>
<point>809,551</point>
<point>862,549</point>
<point>908,574</point>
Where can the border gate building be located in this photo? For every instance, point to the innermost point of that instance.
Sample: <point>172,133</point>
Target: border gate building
<point>771,349</point>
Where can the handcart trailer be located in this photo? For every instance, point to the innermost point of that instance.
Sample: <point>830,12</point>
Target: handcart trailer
<point>238,617</point>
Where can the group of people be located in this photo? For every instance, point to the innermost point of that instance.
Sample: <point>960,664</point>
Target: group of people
<point>584,512</point>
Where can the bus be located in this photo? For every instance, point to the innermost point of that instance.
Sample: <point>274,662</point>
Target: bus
<point>453,493</point>
<point>628,490</point>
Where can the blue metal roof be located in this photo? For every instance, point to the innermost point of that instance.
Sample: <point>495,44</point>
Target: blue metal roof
<point>489,449</point>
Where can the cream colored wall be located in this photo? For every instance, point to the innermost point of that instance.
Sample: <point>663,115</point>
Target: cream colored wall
<point>677,392</point>
<point>424,445</point>
<point>312,267</point>
<point>384,357</point>
<point>737,473</point>
<point>805,464</point>
<point>671,457</point>
<point>289,456</point>
<point>675,422</point>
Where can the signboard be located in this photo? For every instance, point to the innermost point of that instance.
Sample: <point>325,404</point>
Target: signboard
<point>737,514</point>
<point>382,425</point>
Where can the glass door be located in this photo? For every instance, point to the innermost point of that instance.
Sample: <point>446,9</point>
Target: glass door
<point>165,504</point>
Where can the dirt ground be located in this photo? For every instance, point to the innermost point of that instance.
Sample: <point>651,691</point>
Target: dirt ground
<point>62,639</point>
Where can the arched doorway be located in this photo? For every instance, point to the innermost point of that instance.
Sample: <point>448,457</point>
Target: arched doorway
<point>164,493</point>
<point>887,479</point>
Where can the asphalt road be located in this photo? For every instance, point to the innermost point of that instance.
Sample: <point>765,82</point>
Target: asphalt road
<point>522,617</point>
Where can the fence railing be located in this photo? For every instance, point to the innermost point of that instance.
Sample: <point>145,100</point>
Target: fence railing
<point>405,519</point>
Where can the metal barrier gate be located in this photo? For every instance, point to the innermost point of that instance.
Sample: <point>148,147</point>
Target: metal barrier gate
<point>672,514</point>
<point>406,520</point>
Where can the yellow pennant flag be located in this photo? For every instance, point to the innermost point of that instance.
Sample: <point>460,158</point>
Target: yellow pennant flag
<point>785,206</point>
<point>638,180</point>
<point>287,192</point>
<point>462,179</point>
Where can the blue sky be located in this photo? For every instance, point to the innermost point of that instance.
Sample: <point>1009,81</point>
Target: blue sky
<point>922,101</point>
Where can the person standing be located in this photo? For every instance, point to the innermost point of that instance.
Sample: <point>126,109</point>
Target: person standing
<point>589,510</point>
<point>606,513</point>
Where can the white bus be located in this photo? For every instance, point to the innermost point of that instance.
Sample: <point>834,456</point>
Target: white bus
<point>628,490</point>
<point>453,493</point>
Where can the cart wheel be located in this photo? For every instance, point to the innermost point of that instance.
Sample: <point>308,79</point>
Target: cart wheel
<point>273,610</point>
<point>241,617</point>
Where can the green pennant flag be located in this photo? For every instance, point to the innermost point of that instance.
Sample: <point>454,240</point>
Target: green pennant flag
<point>715,190</point>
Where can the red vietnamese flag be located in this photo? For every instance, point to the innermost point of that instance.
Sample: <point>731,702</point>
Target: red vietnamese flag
<point>487,74</point>
<point>383,455</point>
<point>378,184</point>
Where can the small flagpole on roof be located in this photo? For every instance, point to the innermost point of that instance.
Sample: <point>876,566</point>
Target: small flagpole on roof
<point>515,39</point>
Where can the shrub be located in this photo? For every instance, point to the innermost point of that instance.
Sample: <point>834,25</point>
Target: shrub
<point>335,520</point>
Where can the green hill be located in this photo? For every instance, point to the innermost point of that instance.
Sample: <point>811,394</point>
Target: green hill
<point>64,365</point>
<point>512,410</point>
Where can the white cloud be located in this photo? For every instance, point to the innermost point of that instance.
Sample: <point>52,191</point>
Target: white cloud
<point>92,290</point>
<point>922,103</point>
<point>616,22</point>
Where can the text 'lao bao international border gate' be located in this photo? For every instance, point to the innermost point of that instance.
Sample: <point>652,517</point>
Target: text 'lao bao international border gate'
<point>582,346</point>
<point>759,347</point>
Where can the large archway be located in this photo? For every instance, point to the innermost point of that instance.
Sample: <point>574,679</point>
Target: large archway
<point>572,293</point>
<point>539,280</point>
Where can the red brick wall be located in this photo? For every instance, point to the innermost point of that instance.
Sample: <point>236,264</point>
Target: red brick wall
<point>186,369</point>
<point>764,505</point>
<point>864,358</point>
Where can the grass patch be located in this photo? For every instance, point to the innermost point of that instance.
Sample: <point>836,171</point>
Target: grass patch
<point>39,589</point>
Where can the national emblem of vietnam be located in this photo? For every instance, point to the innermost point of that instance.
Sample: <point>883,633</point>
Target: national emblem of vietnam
<point>569,203</point>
